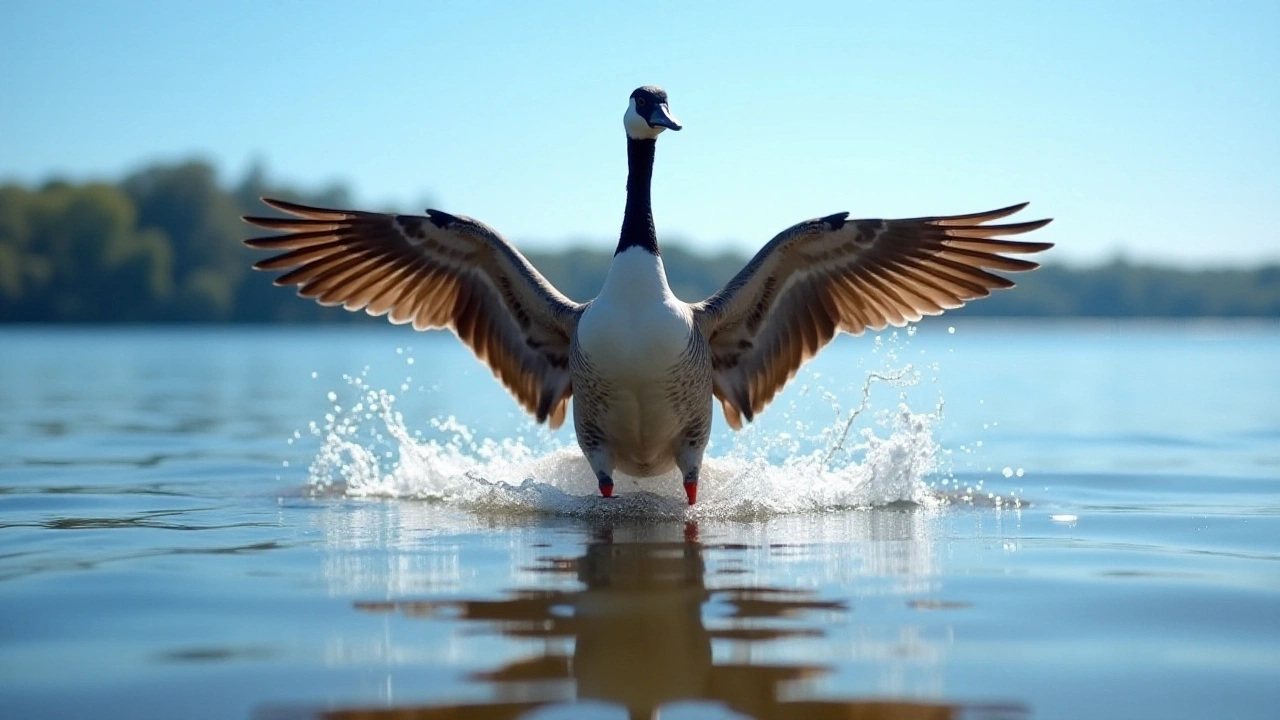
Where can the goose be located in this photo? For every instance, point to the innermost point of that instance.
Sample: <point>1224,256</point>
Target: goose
<point>641,366</point>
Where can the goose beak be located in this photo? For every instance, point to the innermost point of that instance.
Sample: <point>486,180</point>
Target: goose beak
<point>662,117</point>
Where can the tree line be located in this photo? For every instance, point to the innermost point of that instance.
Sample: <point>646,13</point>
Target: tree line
<point>163,244</point>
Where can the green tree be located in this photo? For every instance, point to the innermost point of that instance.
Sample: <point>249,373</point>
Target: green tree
<point>165,244</point>
<point>79,255</point>
<point>183,203</point>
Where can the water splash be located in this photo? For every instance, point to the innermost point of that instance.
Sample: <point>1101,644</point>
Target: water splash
<point>784,464</point>
<point>368,451</point>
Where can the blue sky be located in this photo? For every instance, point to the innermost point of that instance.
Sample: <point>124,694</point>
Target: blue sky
<point>1148,128</point>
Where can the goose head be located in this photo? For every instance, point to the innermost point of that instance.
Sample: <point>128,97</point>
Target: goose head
<point>647,114</point>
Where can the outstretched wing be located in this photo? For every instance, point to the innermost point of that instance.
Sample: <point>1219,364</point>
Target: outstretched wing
<point>435,271</point>
<point>834,274</point>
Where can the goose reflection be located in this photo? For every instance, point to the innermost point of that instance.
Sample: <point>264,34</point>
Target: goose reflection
<point>641,640</point>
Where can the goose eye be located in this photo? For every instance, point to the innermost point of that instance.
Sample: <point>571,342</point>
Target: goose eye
<point>639,102</point>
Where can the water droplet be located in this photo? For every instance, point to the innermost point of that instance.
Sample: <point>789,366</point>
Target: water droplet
<point>951,330</point>
<point>1007,472</point>
<point>333,396</point>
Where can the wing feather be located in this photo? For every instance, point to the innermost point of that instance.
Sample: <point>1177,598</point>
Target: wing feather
<point>434,271</point>
<point>833,274</point>
<point>971,218</point>
<point>395,290</point>
<point>912,292</point>
<point>377,286</point>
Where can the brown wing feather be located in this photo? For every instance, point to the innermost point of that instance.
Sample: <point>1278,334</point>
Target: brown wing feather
<point>833,274</point>
<point>435,271</point>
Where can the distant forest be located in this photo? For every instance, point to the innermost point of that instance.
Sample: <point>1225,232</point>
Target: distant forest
<point>163,245</point>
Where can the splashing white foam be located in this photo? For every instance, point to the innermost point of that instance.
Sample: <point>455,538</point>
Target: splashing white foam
<point>369,452</point>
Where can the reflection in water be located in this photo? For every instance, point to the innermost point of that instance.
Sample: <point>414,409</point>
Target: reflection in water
<point>638,632</point>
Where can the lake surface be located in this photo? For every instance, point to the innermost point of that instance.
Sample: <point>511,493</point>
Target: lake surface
<point>1021,520</point>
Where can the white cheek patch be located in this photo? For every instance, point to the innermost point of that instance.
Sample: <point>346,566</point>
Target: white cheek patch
<point>637,128</point>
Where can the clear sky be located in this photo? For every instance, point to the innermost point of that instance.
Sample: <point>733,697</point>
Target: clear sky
<point>1150,128</point>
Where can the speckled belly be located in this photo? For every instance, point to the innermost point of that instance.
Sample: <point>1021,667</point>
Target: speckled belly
<point>643,415</point>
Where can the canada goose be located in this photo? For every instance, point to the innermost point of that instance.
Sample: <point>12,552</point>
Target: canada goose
<point>640,364</point>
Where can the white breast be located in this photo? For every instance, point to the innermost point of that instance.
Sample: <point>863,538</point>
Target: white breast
<point>635,329</point>
<point>633,336</point>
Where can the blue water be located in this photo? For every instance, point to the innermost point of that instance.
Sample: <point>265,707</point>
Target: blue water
<point>1030,519</point>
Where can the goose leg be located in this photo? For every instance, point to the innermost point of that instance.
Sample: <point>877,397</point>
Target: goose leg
<point>601,462</point>
<point>691,486</point>
<point>689,460</point>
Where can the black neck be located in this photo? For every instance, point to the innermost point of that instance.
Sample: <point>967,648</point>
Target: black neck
<point>637,220</point>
